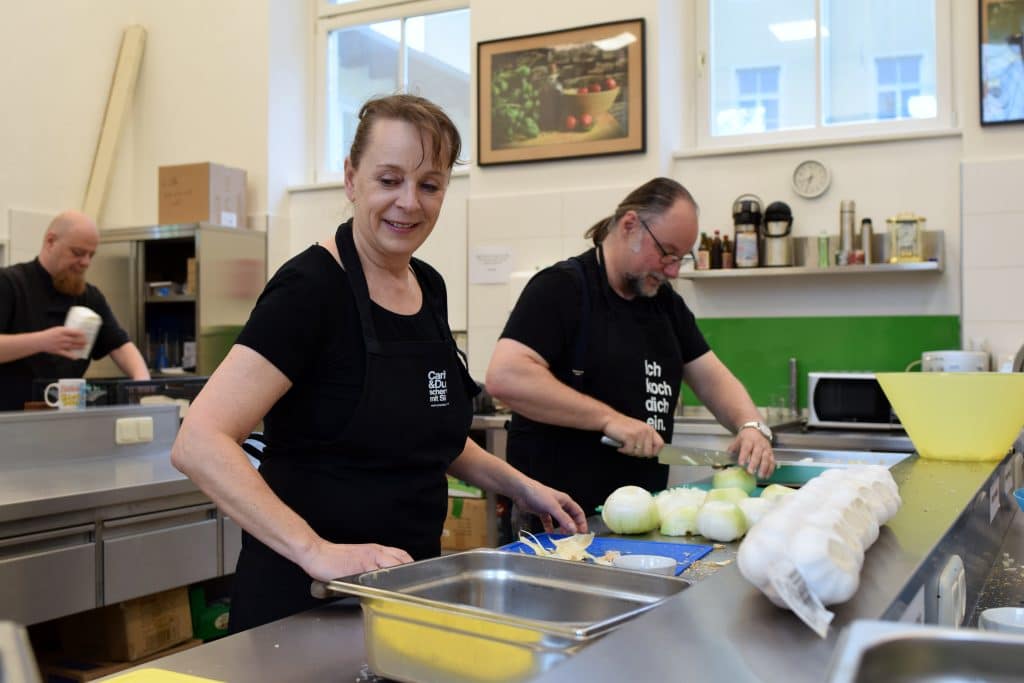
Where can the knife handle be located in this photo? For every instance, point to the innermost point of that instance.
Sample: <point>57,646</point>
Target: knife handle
<point>609,441</point>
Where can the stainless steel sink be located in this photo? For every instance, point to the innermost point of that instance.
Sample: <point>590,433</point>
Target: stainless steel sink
<point>871,651</point>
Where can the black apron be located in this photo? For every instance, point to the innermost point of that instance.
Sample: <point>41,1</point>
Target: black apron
<point>633,363</point>
<point>383,481</point>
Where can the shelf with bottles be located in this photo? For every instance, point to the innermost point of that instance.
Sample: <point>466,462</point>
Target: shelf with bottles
<point>805,260</point>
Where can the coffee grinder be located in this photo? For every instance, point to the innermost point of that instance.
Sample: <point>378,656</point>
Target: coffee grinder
<point>778,242</point>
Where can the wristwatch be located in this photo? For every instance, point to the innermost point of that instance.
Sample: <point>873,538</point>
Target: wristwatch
<point>765,430</point>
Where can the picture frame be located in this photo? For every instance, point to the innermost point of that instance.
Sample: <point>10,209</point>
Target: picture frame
<point>562,94</point>
<point>1001,61</point>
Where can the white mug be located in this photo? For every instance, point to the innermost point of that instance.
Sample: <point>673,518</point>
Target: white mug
<point>954,361</point>
<point>89,322</point>
<point>70,394</point>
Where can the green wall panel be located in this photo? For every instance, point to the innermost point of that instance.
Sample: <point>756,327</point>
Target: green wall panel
<point>757,350</point>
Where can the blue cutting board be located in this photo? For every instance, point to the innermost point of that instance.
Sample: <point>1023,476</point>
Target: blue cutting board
<point>684,553</point>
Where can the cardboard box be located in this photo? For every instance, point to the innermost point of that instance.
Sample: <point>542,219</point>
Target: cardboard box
<point>205,192</point>
<point>59,668</point>
<point>129,630</point>
<point>465,527</point>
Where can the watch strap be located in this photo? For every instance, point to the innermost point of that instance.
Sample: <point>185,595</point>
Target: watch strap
<point>761,427</point>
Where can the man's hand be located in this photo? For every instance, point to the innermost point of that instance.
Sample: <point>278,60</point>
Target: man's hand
<point>639,439</point>
<point>61,341</point>
<point>754,451</point>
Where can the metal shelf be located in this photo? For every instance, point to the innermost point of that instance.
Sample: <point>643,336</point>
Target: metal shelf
<point>805,252</point>
<point>170,298</point>
<point>924,266</point>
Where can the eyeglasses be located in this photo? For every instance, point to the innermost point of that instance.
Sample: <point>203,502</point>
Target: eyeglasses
<point>667,259</point>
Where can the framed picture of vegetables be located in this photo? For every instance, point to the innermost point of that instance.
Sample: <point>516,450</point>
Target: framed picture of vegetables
<point>1001,58</point>
<point>562,94</point>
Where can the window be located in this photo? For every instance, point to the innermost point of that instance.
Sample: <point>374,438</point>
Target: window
<point>899,84</point>
<point>757,99</point>
<point>803,70</point>
<point>416,47</point>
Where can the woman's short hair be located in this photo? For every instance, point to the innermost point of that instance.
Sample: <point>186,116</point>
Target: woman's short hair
<point>654,197</point>
<point>439,131</point>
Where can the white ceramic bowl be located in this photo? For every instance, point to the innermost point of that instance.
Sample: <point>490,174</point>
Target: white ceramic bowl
<point>656,564</point>
<point>1004,619</point>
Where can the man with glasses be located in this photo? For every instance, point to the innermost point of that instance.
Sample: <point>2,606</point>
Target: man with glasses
<point>600,343</point>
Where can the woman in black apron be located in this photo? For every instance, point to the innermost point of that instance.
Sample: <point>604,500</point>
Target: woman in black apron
<point>367,401</point>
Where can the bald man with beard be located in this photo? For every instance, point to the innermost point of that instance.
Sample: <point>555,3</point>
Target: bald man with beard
<point>34,300</point>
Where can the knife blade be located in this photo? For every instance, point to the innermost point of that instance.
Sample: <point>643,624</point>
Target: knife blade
<point>685,455</point>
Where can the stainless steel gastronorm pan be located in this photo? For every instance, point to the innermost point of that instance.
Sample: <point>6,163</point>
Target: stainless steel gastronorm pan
<point>488,615</point>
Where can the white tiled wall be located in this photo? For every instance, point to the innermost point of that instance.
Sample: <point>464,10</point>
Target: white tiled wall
<point>539,229</point>
<point>993,254</point>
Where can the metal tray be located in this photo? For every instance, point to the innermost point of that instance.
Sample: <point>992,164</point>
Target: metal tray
<point>798,466</point>
<point>489,615</point>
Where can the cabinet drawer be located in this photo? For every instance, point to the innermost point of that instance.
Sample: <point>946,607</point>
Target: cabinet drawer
<point>139,559</point>
<point>47,575</point>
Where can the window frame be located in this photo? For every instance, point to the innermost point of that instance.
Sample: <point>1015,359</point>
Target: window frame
<point>331,17</point>
<point>945,121</point>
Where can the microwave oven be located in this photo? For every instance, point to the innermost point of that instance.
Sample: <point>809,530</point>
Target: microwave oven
<point>849,400</point>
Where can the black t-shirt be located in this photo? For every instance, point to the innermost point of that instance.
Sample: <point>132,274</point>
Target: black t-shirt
<point>29,303</point>
<point>547,317</point>
<point>306,324</point>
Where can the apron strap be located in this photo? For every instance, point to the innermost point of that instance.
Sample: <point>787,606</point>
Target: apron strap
<point>357,280</point>
<point>579,356</point>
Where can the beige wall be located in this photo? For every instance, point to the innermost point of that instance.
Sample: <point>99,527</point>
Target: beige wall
<point>230,81</point>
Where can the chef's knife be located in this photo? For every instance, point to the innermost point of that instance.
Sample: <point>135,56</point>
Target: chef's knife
<point>684,455</point>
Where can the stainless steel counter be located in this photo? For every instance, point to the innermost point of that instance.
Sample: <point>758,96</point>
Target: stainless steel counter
<point>58,462</point>
<point>721,627</point>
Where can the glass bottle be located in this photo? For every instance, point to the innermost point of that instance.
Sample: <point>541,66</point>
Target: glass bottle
<point>727,253</point>
<point>704,252</point>
<point>716,251</point>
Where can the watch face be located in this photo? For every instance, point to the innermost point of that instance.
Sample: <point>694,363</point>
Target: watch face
<point>811,179</point>
<point>905,235</point>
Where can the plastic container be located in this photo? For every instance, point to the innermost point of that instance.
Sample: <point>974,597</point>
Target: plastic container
<point>87,321</point>
<point>1002,619</point>
<point>656,564</point>
<point>823,258</point>
<point>973,416</point>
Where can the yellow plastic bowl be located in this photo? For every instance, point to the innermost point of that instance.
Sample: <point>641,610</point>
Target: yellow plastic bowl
<point>958,415</point>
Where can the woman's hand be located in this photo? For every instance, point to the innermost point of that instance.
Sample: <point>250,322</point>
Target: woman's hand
<point>552,506</point>
<point>334,560</point>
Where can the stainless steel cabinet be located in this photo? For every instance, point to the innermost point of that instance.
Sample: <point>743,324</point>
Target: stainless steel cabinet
<point>48,574</point>
<point>150,553</point>
<point>207,303</point>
